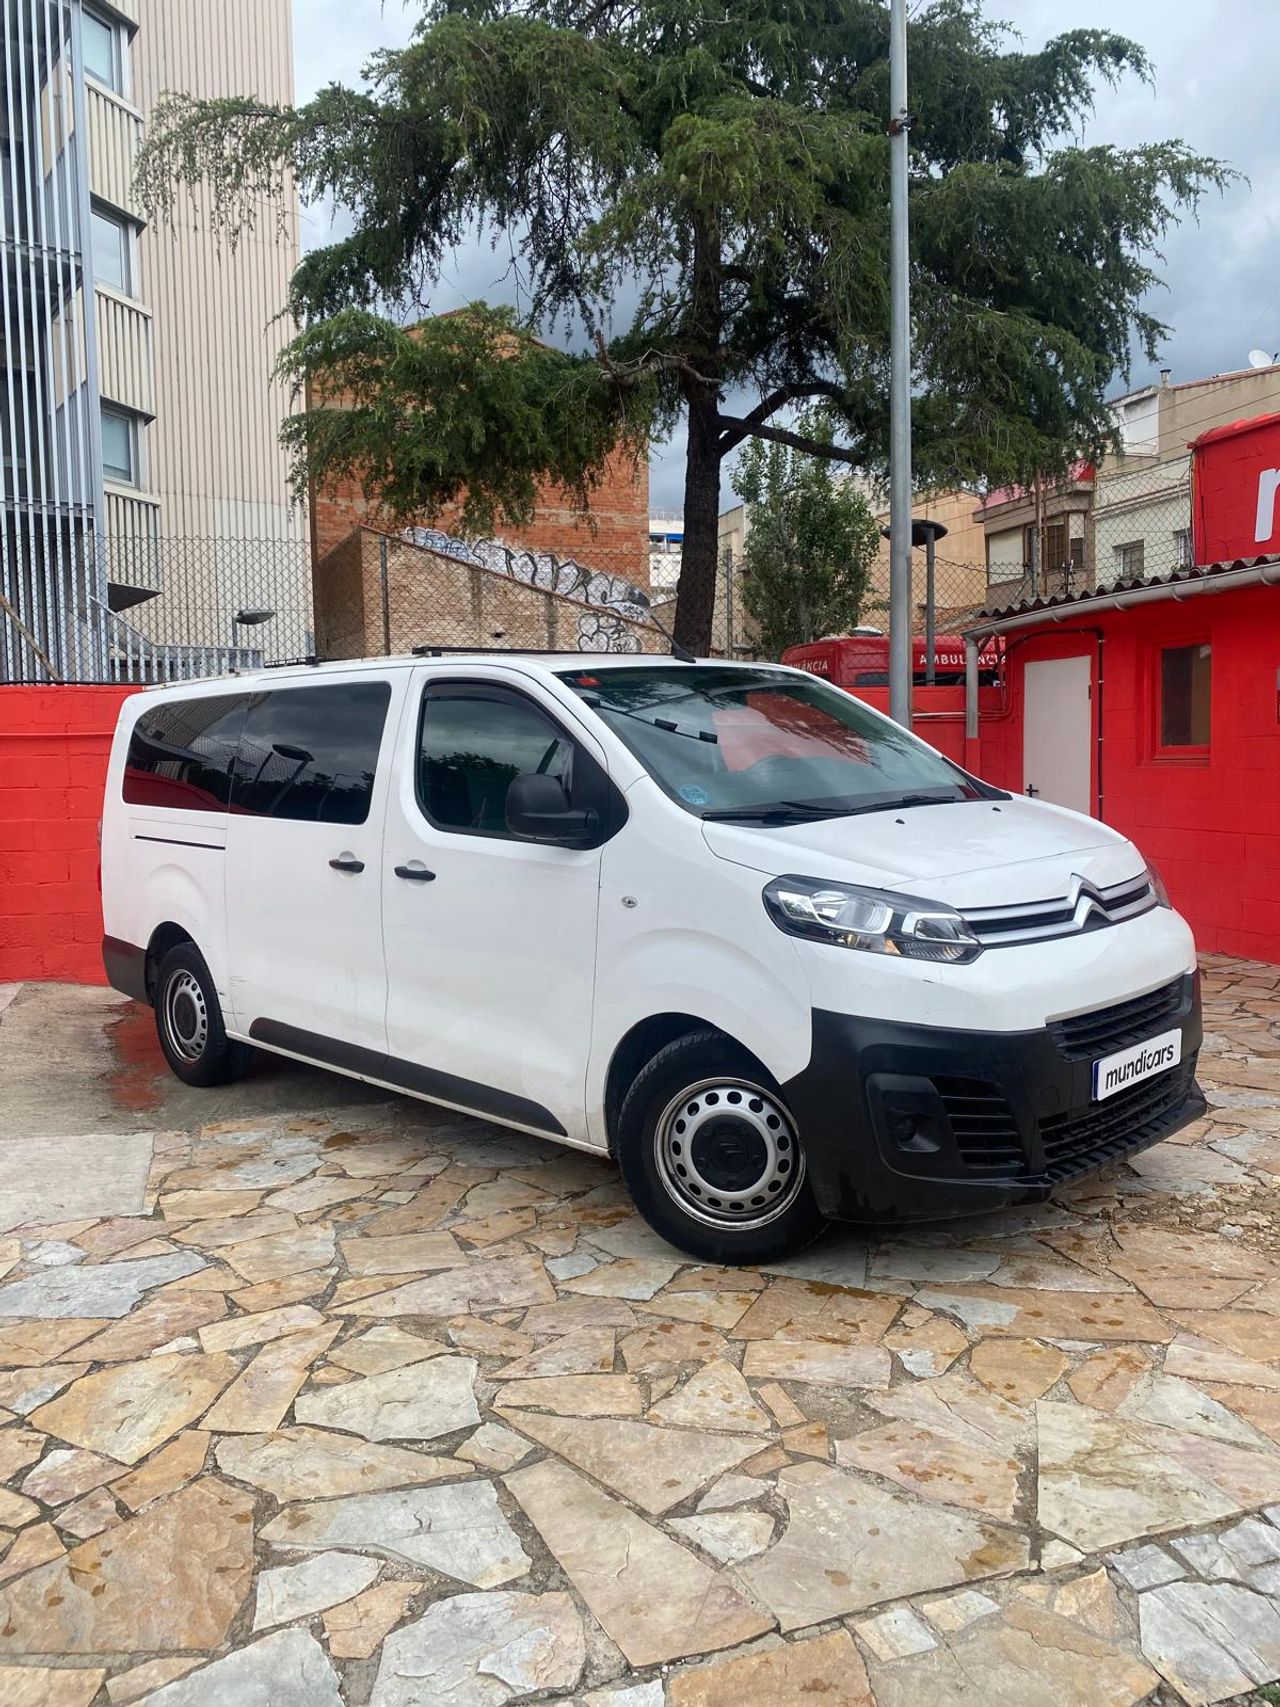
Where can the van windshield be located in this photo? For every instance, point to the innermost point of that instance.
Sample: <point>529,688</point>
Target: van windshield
<point>738,742</point>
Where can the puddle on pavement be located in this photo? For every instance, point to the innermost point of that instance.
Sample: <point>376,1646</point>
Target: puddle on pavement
<point>136,1081</point>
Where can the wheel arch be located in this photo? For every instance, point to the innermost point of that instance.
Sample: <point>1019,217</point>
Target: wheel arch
<point>640,1044</point>
<point>163,938</point>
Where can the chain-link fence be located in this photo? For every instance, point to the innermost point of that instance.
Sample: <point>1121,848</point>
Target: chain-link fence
<point>1129,522</point>
<point>76,608</point>
<point>161,609</point>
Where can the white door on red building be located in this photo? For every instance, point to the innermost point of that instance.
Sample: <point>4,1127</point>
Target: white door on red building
<point>1057,732</point>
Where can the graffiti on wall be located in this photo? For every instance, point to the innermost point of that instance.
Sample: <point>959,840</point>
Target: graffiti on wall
<point>615,602</point>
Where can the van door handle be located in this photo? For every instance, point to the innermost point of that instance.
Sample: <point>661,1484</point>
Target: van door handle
<point>416,873</point>
<point>347,862</point>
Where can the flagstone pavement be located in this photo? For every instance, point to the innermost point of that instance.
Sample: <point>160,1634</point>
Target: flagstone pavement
<point>339,1399</point>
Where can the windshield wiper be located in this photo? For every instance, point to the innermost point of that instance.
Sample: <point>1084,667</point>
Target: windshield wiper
<point>913,800</point>
<point>775,812</point>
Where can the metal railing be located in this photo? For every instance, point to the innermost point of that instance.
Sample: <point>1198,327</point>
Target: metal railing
<point>133,657</point>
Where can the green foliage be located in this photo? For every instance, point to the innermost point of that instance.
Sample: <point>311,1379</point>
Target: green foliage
<point>811,542</point>
<point>696,196</point>
<point>464,404</point>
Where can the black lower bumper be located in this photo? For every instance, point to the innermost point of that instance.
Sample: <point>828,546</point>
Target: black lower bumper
<point>905,1122</point>
<point>126,967</point>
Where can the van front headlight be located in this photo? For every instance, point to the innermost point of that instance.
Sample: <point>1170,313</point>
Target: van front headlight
<point>874,920</point>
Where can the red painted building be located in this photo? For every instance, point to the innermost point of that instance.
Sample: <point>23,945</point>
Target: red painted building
<point>1156,705</point>
<point>1160,717</point>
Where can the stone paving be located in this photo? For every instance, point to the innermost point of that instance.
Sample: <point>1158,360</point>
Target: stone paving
<point>370,1404</point>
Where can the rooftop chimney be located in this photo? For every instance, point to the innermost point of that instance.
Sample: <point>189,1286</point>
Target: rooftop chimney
<point>1166,374</point>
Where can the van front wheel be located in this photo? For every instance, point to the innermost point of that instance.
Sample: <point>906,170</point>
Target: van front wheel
<point>189,1022</point>
<point>712,1157</point>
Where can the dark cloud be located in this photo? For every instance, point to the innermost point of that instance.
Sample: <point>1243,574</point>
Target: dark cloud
<point>1214,68</point>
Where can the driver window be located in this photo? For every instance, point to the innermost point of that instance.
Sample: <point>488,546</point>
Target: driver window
<point>472,746</point>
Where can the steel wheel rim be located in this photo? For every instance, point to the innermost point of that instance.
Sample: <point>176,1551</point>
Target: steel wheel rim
<point>728,1155</point>
<point>186,1016</point>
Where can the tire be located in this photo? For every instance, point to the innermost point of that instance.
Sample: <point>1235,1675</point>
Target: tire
<point>711,1156</point>
<point>189,1022</point>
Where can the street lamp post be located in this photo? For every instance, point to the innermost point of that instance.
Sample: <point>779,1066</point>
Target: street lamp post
<point>253,617</point>
<point>900,620</point>
<point>926,533</point>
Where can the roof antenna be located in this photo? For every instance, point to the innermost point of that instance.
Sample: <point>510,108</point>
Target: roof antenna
<point>682,653</point>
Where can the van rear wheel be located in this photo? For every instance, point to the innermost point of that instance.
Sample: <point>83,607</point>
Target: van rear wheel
<point>712,1156</point>
<point>189,1022</point>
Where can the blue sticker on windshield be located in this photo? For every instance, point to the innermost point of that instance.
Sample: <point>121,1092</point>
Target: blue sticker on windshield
<point>693,794</point>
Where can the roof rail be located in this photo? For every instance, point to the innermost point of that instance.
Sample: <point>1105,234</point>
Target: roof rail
<point>500,651</point>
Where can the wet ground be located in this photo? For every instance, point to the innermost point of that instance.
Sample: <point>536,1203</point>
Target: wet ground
<point>313,1396</point>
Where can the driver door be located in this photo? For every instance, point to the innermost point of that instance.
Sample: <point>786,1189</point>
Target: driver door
<point>490,942</point>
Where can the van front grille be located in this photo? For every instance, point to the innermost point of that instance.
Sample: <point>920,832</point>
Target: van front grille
<point>983,1123</point>
<point>1074,1143</point>
<point>986,1130</point>
<point>1119,1026</point>
<point>1083,909</point>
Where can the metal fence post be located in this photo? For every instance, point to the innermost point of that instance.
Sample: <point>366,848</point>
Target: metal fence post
<point>384,577</point>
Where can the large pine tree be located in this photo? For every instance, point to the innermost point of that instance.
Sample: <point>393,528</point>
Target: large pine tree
<point>713,173</point>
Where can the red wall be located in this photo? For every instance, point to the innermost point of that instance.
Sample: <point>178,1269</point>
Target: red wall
<point>937,714</point>
<point>1210,822</point>
<point>1235,508</point>
<point>54,744</point>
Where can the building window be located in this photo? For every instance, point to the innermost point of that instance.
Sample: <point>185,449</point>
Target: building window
<point>119,446</point>
<point>110,237</point>
<point>1129,560</point>
<point>1055,549</point>
<point>1182,548</point>
<point>1185,678</point>
<point>100,50</point>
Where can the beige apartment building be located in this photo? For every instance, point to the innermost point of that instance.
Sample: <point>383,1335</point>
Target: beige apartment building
<point>1142,496</point>
<point>145,497</point>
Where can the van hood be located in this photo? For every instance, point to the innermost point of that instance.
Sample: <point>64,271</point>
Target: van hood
<point>971,853</point>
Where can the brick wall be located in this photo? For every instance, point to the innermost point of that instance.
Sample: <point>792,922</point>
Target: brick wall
<point>435,600</point>
<point>614,538</point>
<point>54,746</point>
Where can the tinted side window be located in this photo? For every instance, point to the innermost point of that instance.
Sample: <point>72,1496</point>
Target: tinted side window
<point>311,753</point>
<point>470,747</point>
<point>181,753</point>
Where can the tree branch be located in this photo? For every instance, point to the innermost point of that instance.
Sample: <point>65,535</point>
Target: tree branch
<point>795,441</point>
<point>738,429</point>
<point>652,361</point>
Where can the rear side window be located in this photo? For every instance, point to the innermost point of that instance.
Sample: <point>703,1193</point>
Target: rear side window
<point>471,748</point>
<point>181,753</point>
<point>311,753</point>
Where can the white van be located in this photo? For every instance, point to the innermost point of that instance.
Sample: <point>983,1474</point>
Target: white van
<point>721,921</point>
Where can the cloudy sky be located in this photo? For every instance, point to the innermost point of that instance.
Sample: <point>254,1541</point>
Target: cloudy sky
<point>1214,65</point>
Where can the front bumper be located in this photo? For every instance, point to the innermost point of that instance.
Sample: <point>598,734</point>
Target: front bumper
<point>912,1122</point>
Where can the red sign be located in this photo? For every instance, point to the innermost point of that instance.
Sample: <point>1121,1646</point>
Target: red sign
<point>1236,491</point>
<point>862,660</point>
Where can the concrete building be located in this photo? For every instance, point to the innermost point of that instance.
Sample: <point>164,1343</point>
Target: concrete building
<point>1038,538</point>
<point>960,562</point>
<point>666,541</point>
<point>1142,500</point>
<point>138,418</point>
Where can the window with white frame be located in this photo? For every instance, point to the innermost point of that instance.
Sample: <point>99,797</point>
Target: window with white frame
<point>111,257</point>
<point>1129,559</point>
<point>1182,548</point>
<point>102,50</point>
<point>119,446</point>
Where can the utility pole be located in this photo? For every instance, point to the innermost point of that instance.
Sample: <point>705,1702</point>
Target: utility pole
<point>901,621</point>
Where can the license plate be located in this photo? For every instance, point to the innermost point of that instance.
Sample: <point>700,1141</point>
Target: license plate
<point>1113,1073</point>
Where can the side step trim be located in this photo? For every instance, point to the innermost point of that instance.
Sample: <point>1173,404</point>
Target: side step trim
<point>486,1100</point>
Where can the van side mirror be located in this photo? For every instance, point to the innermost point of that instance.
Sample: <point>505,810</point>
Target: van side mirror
<point>538,810</point>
